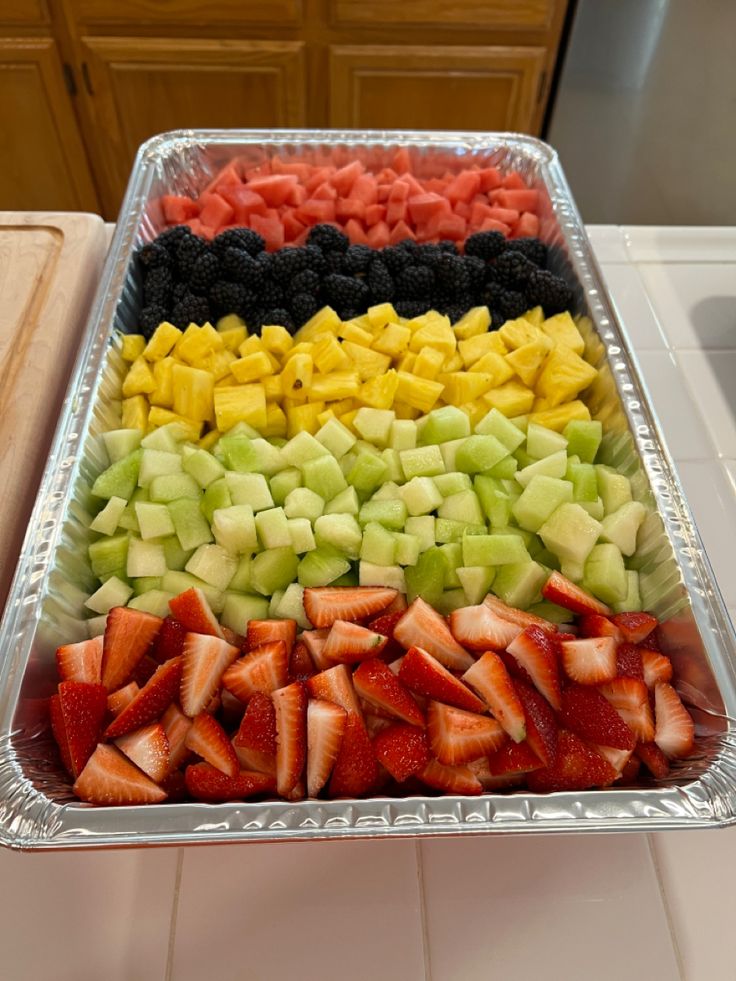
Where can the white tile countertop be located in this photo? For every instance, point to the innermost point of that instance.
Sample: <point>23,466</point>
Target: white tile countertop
<point>639,907</point>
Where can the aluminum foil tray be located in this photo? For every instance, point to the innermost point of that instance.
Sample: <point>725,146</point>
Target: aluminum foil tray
<point>45,605</point>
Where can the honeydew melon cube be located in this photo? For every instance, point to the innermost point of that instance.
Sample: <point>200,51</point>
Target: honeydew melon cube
<point>290,606</point>
<point>172,487</point>
<point>605,574</point>
<point>322,566</point>
<point>494,500</point>
<point>145,559</point>
<point>554,465</point>
<point>407,548</point>
<point>302,538</point>
<point>176,556</point>
<point>237,453</point>
<point>107,520</point>
<point>421,528</point>
<point>240,581</point>
<point>283,483</point>
<point>463,506</point>
<point>544,557</point>
<point>273,528</point>
<point>347,462</point>
<point>632,601</point>
<point>452,483</point>
<point>529,539</point>
<point>494,549</point>
<point>427,577</point>
<point>203,466</point>
<point>242,429</point>
<point>154,520</point>
<point>570,532</point>
<point>176,582</point>
<point>274,569</point>
<point>166,438</point>
<point>154,601</point>
<point>363,446</point>
<point>552,612</point>
<point>392,460</point>
<point>216,497</point>
<point>300,448</point>
<point>449,530</point>
<point>303,503</point>
<point>479,453</point>
<point>572,570</point>
<point>346,502</point>
<point>382,575</point>
<point>249,488</point>
<point>368,472</point>
<point>421,496</point>
<point>120,479</point>
<point>451,599</point>
<point>453,555</point>
<point>389,491</point>
<point>341,531</point>
<point>444,424</point>
<point>390,513</point>
<point>191,527</point>
<point>505,469</point>
<point>214,565</point>
<point>120,443</point>
<point>403,434</point>
<point>594,508</point>
<point>511,488</point>
<point>156,463</point>
<point>584,481</point>
<point>583,438</point>
<point>238,609</point>
<point>622,527</point>
<point>449,453</point>
<point>378,545</point>
<point>476,581</point>
<point>336,438</point>
<point>129,520</point>
<point>273,605</point>
<point>613,487</point>
<point>374,425</point>
<point>523,458</point>
<point>269,458</point>
<point>324,477</point>
<point>424,461</point>
<point>541,496</point>
<point>495,423</point>
<point>145,583</point>
<point>541,442</point>
<point>519,584</point>
<point>109,556</point>
<point>113,592</point>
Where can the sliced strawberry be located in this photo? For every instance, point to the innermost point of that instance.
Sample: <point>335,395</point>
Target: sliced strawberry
<point>233,638</point>
<point>264,669</point>
<point>56,717</point>
<point>628,662</point>
<point>377,723</point>
<point>488,780</point>
<point>376,683</point>
<point>618,758</point>
<point>119,699</point>
<point>314,641</point>
<point>81,662</point>
<point>355,771</point>
<point>589,715</point>
<point>349,643</point>
<point>480,629</point>
<point>577,767</point>
<point>385,625</point>
<point>205,661</point>
<point>128,635</point>
<point>457,736</point>
<point>83,708</point>
<point>630,698</point>
<point>192,609</point>
<point>290,704</point>
<point>261,632</point>
<point>255,740</point>
<point>335,685</point>
<point>325,728</point>
<point>522,618</point>
<point>301,665</point>
<point>458,780</point>
<point>208,739</point>
<point>657,667</point>
<point>591,661</point>
<point>402,749</point>
<point>176,726</point>
<point>421,626</point>
<point>151,701</point>
<point>208,784</point>
<point>541,724</point>
<point>595,625</point>
<point>491,680</point>
<point>632,767</point>
<point>325,604</point>
<point>144,670</point>
<point>635,627</point>
<point>514,668</point>
<point>148,748</point>
<point>558,589</point>
<point>513,759</point>
<point>654,760</point>
<point>397,605</point>
<point>110,778</point>
<point>539,654</point>
<point>424,675</point>
<point>675,729</point>
<point>169,640</point>
<point>174,785</point>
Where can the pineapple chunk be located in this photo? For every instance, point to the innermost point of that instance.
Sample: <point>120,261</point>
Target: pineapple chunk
<point>454,363</point>
<point>379,392</point>
<point>351,331</point>
<point>562,330</point>
<point>241,403</point>
<point>473,323</point>
<point>381,314</point>
<point>337,385</point>
<point>303,418</point>
<point>559,417</point>
<point>233,338</point>
<point>160,416</point>
<point>367,363</point>
<point>392,339</point>
<point>273,386</point>
<point>428,363</point>
<point>276,339</point>
<point>327,414</point>
<point>230,321</point>
<point>296,378</point>
<point>535,316</point>
<point>527,361</point>
<point>563,376</point>
<point>210,439</point>
<point>303,347</point>
<point>476,411</point>
<point>193,392</point>
<point>163,373</point>
<point>252,367</point>
<point>516,333</point>
<point>495,365</point>
<point>473,348</point>
<point>325,321</point>
<point>254,345</point>
<point>132,347</point>
<point>275,421</point>
<point>404,411</point>
<point>407,361</point>
<point>197,343</point>
<point>347,419</point>
<point>328,354</point>
<point>218,364</point>
<point>435,335</point>
<point>139,380</point>
<point>511,399</point>
<point>135,413</point>
<point>163,339</point>
<point>462,387</point>
<point>419,393</point>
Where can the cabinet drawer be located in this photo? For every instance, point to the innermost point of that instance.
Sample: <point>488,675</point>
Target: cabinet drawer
<point>185,13</point>
<point>530,15</point>
<point>24,12</point>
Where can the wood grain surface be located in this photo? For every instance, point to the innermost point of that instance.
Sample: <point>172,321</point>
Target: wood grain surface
<point>50,265</point>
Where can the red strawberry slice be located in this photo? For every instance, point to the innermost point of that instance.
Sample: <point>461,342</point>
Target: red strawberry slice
<point>594,625</point>
<point>635,627</point>
<point>325,604</point>
<point>355,771</point>
<point>577,767</point>
<point>169,641</point>
<point>397,605</point>
<point>83,708</point>
<point>236,640</point>
<point>192,609</point>
<point>590,661</point>
<point>491,680</point>
<point>264,669</point>
<point>290,705</point>
<point>148,748</point>
<point>424,675</point>
<point>631,770</point>
<point>618,758</point>
<point>377,684</point>
<point>205,661</point>
<point>207,783</point>
<point>376,723</point>
<point>81,662</point>
<point>255,740</point>
<point>335,685</point>
<point>558,589</point>
<point>301,665</point>
<point>385,625</point>
<point>128,635</point>
<point>261,632</point>
<point>457,736</point>
<point>402,749</point>
<point>349,643</point>
<point>458,780</point>
<point>653,759</point>
<point>521,618</point>
<point>175,787</point>
<point>589,715</point>
<point>208,739</point>
<point>144,670</point>
<point>314,641</point>
<point>657,667</point>
<point>325,728</point>
<point>176,726</point>
<point>628,662</point>
<point>630,698</point>
<point>675,729</point>
<point>513,759</point>
<point>118,700</point>
<point>110,778</point>
<point>421,626</point>
<point>538,653</point>
<point>480,629</point>
<point>541,724</point>
<point>56,717</point>
<point>488,780</point>
<point>150,702</point>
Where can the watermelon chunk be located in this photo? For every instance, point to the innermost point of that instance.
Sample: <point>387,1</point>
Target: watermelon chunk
<point>216,211</point>
<point>452,227</point>
<point>464,187</point>
<point>375,213</point>
<point>527,226</point>
<point>315,212</point>
<point>271,230</point>
<point>274,189</point>
<point>365,189</point>
<point>244,203</point>
<point>423,207</point>
<point>347,208</point>
<point>490,178</point>
<point>401,161</point>
<point>178,209</point>
<point>344,178</point>
<point>378,235</point>
<point>526,200</point>
<point>355,232</point>
<point>514,181</point>
<point>399,232</point>
<point>325,192</point>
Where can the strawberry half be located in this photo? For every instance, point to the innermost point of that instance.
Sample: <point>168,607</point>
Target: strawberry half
<point>628,662</point>
<point>301,665</point>
<point>538,653</point>
<point>205,660</point>
<point>421,626</point>
<point>265,669</point>
<point>119,699</point>
<point>385,624</point>
<point>261,632</point>
<point>653,759</point>
<point>589,715</point>
<point>630,698</point>
<point>255,740</point>
<point>335,685</point>
<point>83,708</point>
<point>657,667</point>
<point>325,604</point>
<point>541,724</point>
<point>290,704</point>
<point>355,771</point>
<point>348,643</point>
<point>591,661</point>
<point>491,680</point>
<point>208,739</point>
<point>81,662</point>
<point>577,767</point>
<point>402,749</point>
<point>595,625</point>
<point>110,778</point>
<point>193,610</point>
<point>207,783</point>
<point>151,701</point>
<point>176,726</point>
<point>480,629</point>
<point>635,627</point>
<point>148,748</point>
<point>674,729</point>
<point>377,684</point>
<point>522,618</point>
<point>325,728</point>
<point>314,641</point>
<point>457,736</point>
<point>560,590</point>
<point>169,640</point>
<point>56,718</point>
<point>128,635</point>
<point>458,780</point>
<point>618,758</point>
<point>513,759</point>
<point>424,675</point>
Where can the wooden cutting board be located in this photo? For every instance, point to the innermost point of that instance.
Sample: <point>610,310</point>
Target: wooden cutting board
<point>50,266</point>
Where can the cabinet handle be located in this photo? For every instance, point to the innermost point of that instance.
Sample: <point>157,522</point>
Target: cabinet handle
<point>71,85</point>
<point>87,81</point>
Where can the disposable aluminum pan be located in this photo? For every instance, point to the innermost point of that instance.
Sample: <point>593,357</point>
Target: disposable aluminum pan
<point>45,605</point>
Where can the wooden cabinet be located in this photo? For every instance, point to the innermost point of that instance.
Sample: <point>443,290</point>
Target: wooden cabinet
<point>473,14</point>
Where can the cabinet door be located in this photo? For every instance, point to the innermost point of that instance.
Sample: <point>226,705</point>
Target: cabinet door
<point>142,86</point>
<point>477,14</point>
<point>42,161</point>
<point>186,13</point>
<point>435,87</point>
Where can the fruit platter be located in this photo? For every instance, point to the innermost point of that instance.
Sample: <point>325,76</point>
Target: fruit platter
<point>357,522</point>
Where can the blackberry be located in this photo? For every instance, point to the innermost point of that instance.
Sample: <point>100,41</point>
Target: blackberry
<point>154,255</point>
<point>549,291</point>
<point>239,238</point>
<point>150,317</point>
<point>287,263</point>
<point>486,245</point>
<point>511,269</point>
<point>415,283</point>
<point>455,312</point>
<point>532,249</point>
<point>334,261</point>
<point>171,238</point>
<point>232,298</point>
<point>395,259</point>
<point>476,270</point>
<point>204,272</point>
<point>429,255</point>
<point>187,253</point>
<point>491,295</point>
<point>157,286</point>
<point>446,245</point>
<point>328,238</point>
<point>497,319</point>
<point>346,294</point>
<point>179,291</point>
<point>190,309</point>
<point>357,258</point>
<point>307,281</point>
<point>315,260</point>
<point>279,316</point>
<point>512,304</point>
<point>271,295</point>
<point>303,306</point>
<point>380,282</point>
<point>240,266</point>
<point>452,275</point>
<point>410,308</point>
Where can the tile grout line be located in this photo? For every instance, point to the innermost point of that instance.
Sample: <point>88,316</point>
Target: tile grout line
<point>174,915</point>
<point>666,907</point>
<point>422,913</point>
